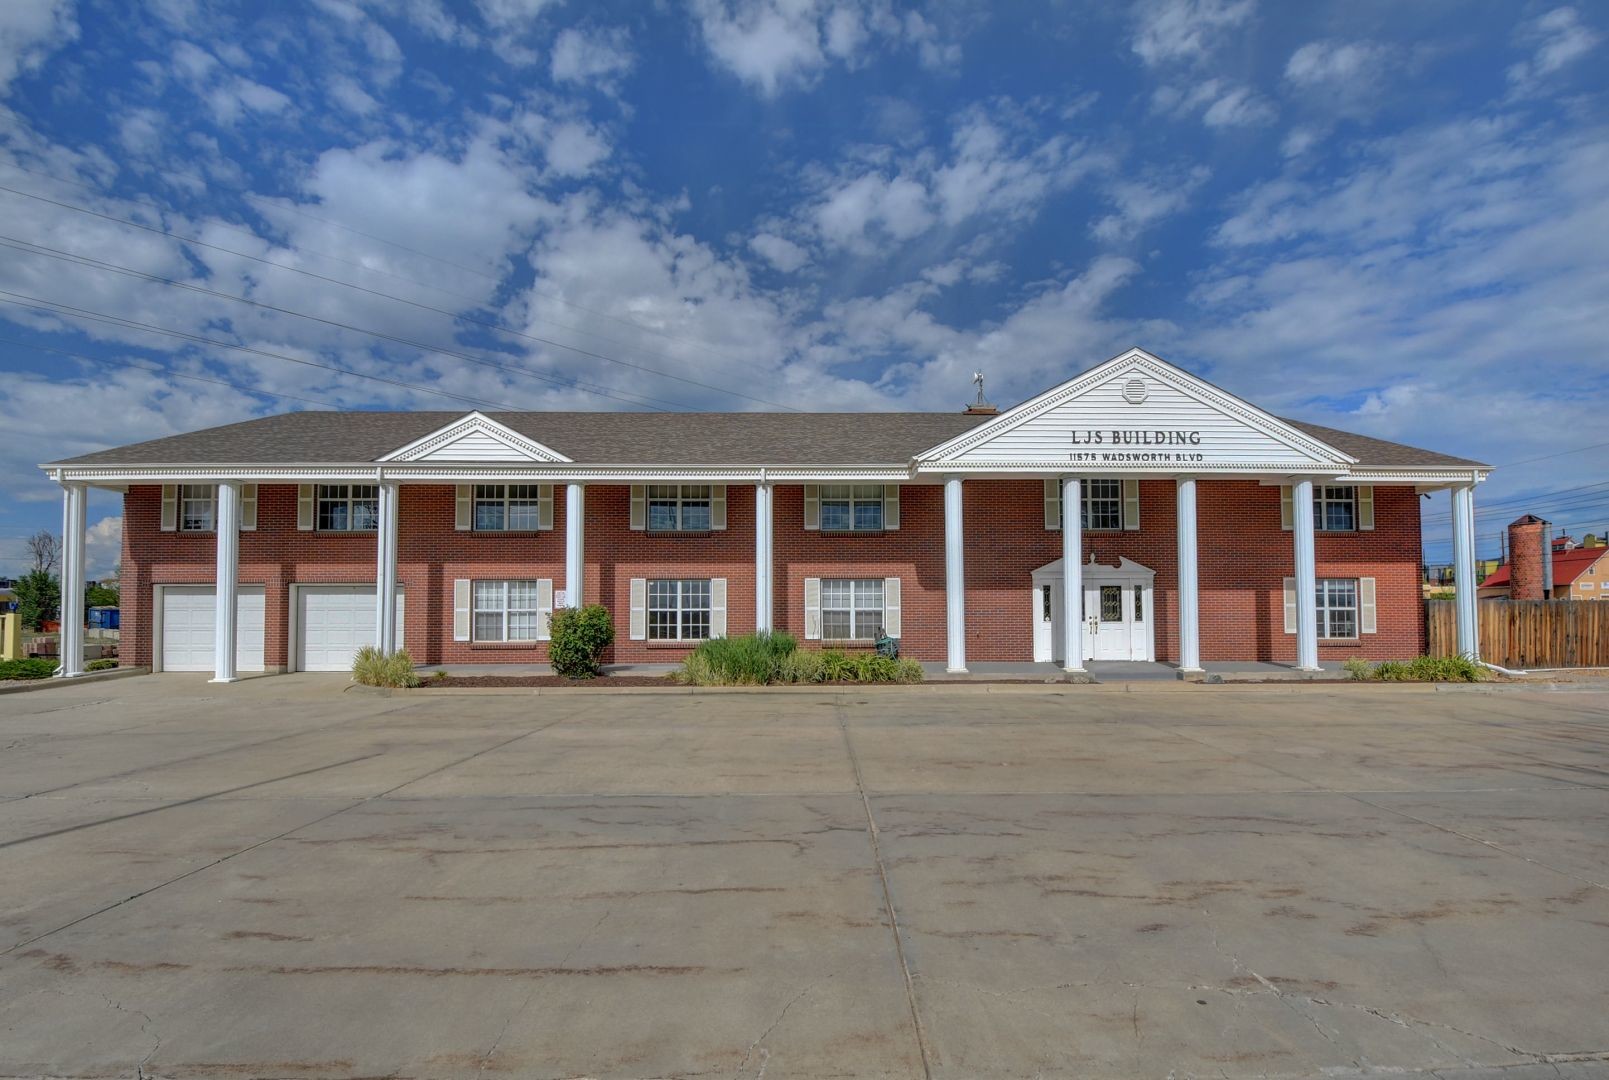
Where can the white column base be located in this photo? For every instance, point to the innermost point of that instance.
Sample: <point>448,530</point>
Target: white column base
<point>232,678</point>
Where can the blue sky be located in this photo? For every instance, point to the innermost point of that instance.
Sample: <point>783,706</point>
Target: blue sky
<point>1384,217</point>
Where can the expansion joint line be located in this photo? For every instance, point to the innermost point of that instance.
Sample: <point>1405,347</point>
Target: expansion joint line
<point>888,896</point>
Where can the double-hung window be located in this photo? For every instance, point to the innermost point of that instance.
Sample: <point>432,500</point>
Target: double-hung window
<point>1335,508</point>
<point>678,507</point>
<point>678,609</point>
<point>348,507</point>
<point>851,608</point>
<point>198,507</point>
<point>507,507</point>
<point>851,507</point>
<point>506,611</point>
<point>1103,504</point>
<point>1337,607</point>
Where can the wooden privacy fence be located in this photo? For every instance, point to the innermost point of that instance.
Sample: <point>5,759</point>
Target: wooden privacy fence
<point>1527,633</point>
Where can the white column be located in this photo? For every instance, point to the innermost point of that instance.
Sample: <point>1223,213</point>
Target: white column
<point>1306,576</point>
<point>575,509</point>
<point>1464,583</point>
<point>762,557</point>
<point>72,581</point>
<point>228,578</point>
<point>1189,598</point>
<point>955,587</point>
<point>1072,569</point>
<point>385,577</point>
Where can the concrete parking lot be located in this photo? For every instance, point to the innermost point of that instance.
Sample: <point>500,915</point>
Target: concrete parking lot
<point>279,879</point>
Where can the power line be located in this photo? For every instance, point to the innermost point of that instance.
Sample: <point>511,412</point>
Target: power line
<point>125,362</point>
<point>457,316</point>
<point>1561,453</point>
<point>1517,500</point>
<point>31,248</point>
<point>22,300</point>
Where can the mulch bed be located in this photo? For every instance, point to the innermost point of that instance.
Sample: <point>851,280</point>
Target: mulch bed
<point>602,682</point>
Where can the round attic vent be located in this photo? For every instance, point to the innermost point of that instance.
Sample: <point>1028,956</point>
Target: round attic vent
<point>1134,391</point>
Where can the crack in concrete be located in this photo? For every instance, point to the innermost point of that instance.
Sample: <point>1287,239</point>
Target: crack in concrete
<point>765,1055</point>
<point>888,895</point>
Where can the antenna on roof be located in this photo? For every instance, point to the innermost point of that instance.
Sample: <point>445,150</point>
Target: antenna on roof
<point>981,405</point>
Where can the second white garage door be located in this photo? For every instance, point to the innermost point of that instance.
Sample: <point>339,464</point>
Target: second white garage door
<point>189,613</point>
<point>333,622</point>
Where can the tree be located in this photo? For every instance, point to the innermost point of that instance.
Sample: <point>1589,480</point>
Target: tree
<point>44,550</point>
<point>38,598</point>
<point>101,594</point>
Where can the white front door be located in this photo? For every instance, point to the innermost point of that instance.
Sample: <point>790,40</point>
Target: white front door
<point>333,622</point>
<point>189,617</point>
<point>1108,614</point>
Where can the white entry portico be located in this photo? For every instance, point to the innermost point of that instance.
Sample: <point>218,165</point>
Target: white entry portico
<point>1119,612</point>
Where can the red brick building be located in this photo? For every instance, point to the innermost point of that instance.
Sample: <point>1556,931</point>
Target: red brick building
<point>1199,514</point>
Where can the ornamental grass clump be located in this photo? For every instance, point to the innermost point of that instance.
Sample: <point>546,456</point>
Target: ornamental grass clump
<point>775,658</point>
<point>746,660</point>
<point>1419,669</point>
<point>371,667</point>
<point>579,636</point>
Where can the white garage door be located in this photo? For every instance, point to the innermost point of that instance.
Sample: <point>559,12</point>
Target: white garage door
<point>189,614</point>
<point>333,623</point>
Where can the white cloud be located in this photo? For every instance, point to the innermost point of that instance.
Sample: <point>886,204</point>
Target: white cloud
<point>1337,63</point>
<point>1219,103</point>
<point>103,547</point>
<point>30,30</point>
<point>1169,31</point>
<point>781,253</point>
<point>574,148</point>
<point>600,57</point>
<point>346,93</point>
<point>1139,203</point>
<point>778,44</point>
<point>1557,39</point>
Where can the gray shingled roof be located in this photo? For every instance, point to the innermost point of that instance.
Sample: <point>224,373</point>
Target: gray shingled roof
<point>622,438</point>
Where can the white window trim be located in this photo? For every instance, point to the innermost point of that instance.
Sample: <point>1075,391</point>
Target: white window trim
<point>1322,499</point>
<point>211,500</point>
<point>681,609</point>
<point>475,610</point>
<point>506,501</point>
<point>1323,609</point>
<point>855,611</point>
<point>319,499</point>
<point>1087,496</point>
<point>681,499</point>
<point>853,501</point>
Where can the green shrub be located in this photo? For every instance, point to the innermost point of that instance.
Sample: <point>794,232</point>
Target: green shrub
<point>105,663</point>
<point>32,668</point>
<point>579,636</point>
<point>1358,668</point>
<point>371,667</point>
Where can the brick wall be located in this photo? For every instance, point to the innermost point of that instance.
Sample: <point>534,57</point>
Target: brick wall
<point>1244,558</point>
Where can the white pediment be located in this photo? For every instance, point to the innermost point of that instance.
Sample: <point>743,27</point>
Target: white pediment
<point>1135,413</point>
<point>472,438</point>
<point>1125,570</point>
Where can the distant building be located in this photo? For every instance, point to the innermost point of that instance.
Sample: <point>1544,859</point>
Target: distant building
<point>1578,574</point>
